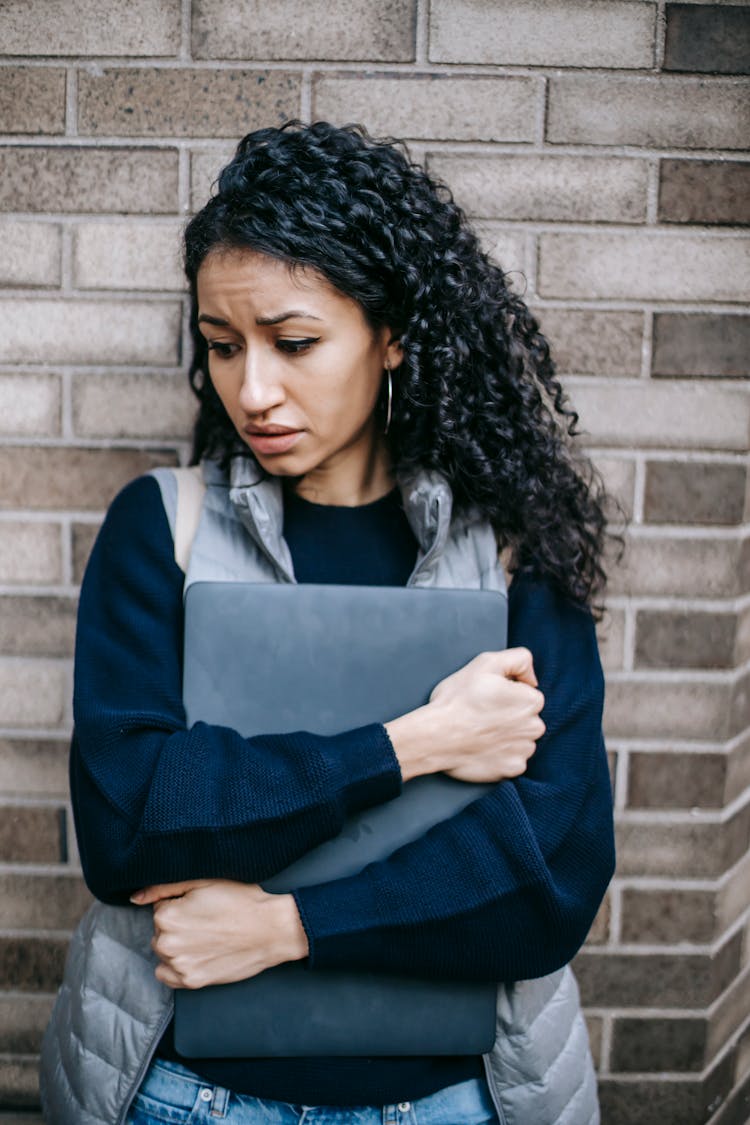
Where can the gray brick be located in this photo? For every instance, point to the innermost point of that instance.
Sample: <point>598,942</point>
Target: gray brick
<point>660,112</point>
<point>145,406</point>
<point>658,1044</point>
<point>507,248</point>
<point>682,639</point>
<point>431,106</point>
<point>30,835</point>
<point>77,179</point>
<point>32,964</point>
<point>70,478</point>
<point>29,405</point>
<point>704,191</point>
<point>37,626</point>
<point>205,165</point>
<point>90,332</point>
<point>682,567</point>
<point>84,535</point>
<point>611,637</point>
<point>687,849</point>
<point>618,474</point>
<point>708,38</point>
<point>19,1081</point>
<point>185,103</point>
<point>658,1101</point>
<point>663,415</point>
<point>31,253</point>
<point>33,768</point>
<point>676,781</point>
<point>690,492</point>
<point>32,99</point>
<point>33,693</point>
<point>550,188</point>
<point>667,917</point>
<point>42,902</point>
<point>30,553</point>
<point>543,32</point>
<point>645,265</point>
<point>288,29</point>
<point>131,27</point>
<point>701,344</point>
<point>646,708</point>
<point>22,1024</point>
<point>589,342</point>
<point>128,255</point>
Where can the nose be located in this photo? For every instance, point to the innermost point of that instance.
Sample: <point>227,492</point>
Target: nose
<point>261,390</point>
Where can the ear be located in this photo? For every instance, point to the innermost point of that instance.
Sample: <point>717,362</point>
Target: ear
<point>394,354</point>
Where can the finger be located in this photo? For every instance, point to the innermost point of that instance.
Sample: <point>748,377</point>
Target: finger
<point>168,976</point>
<point>518,664</point>
<point>162,891</point>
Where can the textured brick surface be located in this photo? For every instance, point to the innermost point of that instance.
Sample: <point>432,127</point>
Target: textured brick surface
<point>37,626</point>
<point>52,902</point>
<point>84,535</point>
<point>29,405</point>
<point>540,32</point>
<point>658,1044</point>
<point>618,474</point>
<point>691,492</point>
<point>681,566</point>
<point>185,103</point>
<point>32,99</point>
<point>72,178</point>
<point>645,266</point>
<point>32,693</point>
<point>674,639</point>
<point>479,109</point>
<point>337,29</point>
<point>19,1081</point>
<point>550,188</point>
<point>133,405</point>
<point>667,917</point>
<point>651,709</point>
<point>674,416</point>
<point>507,247</point>
<point>33,767</point>
<point>70,478</point>
<point>22,1023</point>
<point>131,27</point>
<point>90,332</point>
<point>205,165</point>
<point>30,553</point>
<point>29,835</point>
<point>713,38</point>
<point>32,964</point>
<point>128,255</point>
<point>669,112</point>
<point>704,191</point>
<point>31,253</point>
<point>611,636</point>
<point>589,342</point>
<point>695,344</point>
<point>685,850</point>
<point>676,781</point>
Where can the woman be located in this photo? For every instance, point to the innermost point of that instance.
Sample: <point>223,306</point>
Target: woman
<point>373,400</point>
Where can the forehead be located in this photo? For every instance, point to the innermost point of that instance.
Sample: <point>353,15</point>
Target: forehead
<point>265,285</point>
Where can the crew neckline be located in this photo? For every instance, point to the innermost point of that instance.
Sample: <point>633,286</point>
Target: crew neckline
<point>302,501</point>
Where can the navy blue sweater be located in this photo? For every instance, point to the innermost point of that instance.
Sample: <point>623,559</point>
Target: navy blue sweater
<point>521,871</point>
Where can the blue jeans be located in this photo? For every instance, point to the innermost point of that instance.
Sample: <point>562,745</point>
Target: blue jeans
<point>174,1095</point>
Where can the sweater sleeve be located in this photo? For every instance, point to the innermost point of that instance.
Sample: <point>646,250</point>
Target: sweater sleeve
<point>155,802</point>
<point>508,888</point>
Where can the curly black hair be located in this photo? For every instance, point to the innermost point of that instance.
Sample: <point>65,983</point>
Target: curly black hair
<point>476,396</point>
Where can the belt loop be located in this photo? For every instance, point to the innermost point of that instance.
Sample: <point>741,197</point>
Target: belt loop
<point>219,1102</point>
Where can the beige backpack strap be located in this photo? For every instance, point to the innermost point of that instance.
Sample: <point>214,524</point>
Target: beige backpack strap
<point>190,492</point>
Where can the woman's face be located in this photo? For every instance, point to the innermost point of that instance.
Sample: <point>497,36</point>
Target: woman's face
<point>299,371</point>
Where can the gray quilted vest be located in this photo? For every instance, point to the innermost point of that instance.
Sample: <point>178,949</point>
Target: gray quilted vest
<point>111,1011</point>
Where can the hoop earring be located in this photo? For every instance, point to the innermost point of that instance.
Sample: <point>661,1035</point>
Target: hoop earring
<point>389,407</point>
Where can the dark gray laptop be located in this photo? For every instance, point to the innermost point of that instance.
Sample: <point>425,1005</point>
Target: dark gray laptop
<point>276,658</point>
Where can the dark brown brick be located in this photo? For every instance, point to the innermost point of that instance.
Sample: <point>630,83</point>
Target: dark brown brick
<point>84,535</point>
<point>32,964</point>
<point>31,835</point>
<point>75,178</point>
<point>658,1044</point>
<point>32,100</point>
<point>708,38</point>
<point>736,1108</point>
<point>675,1102</point>
<point>676,781</point>
<point>667,917</point>
<point>704,191</point>
<point>70,478</point>
<point>674,639</point>
<point>185,103</point>
<point>31,626</point>
<point>694,493</point>
<point>670,980</point>
<point>698,344</point>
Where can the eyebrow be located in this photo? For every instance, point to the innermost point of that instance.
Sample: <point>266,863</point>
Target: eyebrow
<point>264,321</point>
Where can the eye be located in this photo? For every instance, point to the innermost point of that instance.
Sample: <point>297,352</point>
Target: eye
<point>293,347</point>
<point>223,350</point>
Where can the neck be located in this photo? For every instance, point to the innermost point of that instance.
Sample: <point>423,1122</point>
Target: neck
<point>349,483</point>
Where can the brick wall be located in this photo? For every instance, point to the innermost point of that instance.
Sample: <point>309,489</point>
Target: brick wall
<point>601,146</point>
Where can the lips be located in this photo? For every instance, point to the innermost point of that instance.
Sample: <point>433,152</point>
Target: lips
<point>271,439</point>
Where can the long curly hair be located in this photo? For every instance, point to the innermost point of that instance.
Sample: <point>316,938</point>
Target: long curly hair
<point>476,396</point>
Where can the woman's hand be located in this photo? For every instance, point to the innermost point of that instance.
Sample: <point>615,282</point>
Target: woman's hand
<point>481,723</point>
<point>213,931</point>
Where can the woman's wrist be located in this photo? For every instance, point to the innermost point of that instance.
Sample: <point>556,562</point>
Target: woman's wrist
<point>415,739</point>
<point>290,940</point>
